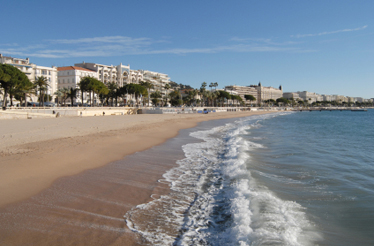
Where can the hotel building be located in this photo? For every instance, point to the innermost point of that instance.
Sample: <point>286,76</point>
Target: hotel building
<point>261,93</point>
<point>122,75</point>
<point>242,91</point>
<point>34,71</point>
<point>70,77</point>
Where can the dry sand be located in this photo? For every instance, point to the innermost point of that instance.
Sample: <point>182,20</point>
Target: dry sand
<point>81,209</point>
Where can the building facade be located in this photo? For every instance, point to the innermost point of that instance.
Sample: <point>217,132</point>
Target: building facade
<point>242,91</point>
<point>122,75</point>
<point>34,71</point>
<point>292,95</point>
<point>70,77</point>
<point>261,93</point>
<point>265,93</point>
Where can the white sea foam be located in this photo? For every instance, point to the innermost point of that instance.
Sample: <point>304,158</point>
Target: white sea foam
<point>215,201</point>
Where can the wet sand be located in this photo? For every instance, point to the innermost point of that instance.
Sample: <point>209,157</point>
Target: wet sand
<point>57,187</point>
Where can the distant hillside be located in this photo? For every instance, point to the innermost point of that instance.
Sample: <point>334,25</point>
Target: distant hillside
<point>175,85</point>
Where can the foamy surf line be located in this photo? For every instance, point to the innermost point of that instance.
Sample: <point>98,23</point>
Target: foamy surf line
<point>215,201</point>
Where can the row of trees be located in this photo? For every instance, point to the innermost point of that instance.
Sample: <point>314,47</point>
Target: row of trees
<point>303,103</point>
<point>16,84</point>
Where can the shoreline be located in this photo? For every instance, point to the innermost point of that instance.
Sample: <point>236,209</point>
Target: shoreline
<point>50,164</point>
<point>39,153</point>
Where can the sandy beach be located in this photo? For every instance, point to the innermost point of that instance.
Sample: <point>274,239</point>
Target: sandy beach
<point>54,189</point>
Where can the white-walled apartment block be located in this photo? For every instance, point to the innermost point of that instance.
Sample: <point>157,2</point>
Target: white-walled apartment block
<point>261,93</point>
<point>327,98</point>
<point>34,71</point>
<point>242,91</point>
<point>267,93</point>
<point>290,95</point>
<point>70,77</point>
<point>122,75</point>
<point>159,80</point>
<point>311,97</point>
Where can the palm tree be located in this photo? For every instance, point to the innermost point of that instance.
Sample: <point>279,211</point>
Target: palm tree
<point>215,85</point>
<point>202,92</point>
<point>24,92</point>
<point>155,97</point>
<point>112,87</point>
<point>58,94</point>
<point>148,85</point>
<point>41,84</point>
<point>211,85</point>
<point>64,94</point>
<point>72,94</point>
<point>167,87</point>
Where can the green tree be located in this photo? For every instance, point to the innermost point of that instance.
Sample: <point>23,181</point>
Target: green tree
<point>211,85</point>
<point>92,86</point>
<point>156,97</point>
<point>251,98</point>
<point>21,93</point>
<point>148,85</point>
<point>83,85</point>
<point>202,92</point>
<point>10,79</point>
<point>100,89</point>
<point>223,95</point>
<point>63,93</point>
<point>135,89</point>
<point>41,84</point>
<point>166,87</point>
<point>175,98</point>
<point>72,93</point>
<point>283,101</point>
<point>112,93</point>
<point>59,95</point>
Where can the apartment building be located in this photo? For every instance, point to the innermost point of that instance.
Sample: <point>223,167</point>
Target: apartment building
<point>34,71</point>
<point>265,93</point>
<point>311,97</point>
<point>242,91</point>
<point>292,95</point>
<point>261,93</point>
<point>122,75</point>
<point>70,77</point>
<point>158,80</point>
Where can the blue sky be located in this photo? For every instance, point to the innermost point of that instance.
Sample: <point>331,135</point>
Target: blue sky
<point>320,46</point>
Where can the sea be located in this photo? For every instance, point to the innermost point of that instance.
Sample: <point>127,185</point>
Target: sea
<point>288,178</point>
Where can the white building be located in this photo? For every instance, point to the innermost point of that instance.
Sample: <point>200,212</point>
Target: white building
<point>34,71</point>
<point>327,98</point>
<point>311,97</point>
<point>291,95</point>
<point>158,80</point>
<point>106,74</point>
<point>261,93</point>
<point>70,77</point>
<point>242,91</point>
<point>266,93</point>
<point>122,75</point>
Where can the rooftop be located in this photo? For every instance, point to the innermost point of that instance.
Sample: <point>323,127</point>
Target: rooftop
<point>73,68</point>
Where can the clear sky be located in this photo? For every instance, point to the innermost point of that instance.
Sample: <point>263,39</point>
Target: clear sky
<point>322,46</point>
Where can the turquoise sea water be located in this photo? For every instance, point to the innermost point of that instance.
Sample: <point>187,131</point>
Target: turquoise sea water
<point>304,178</point>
